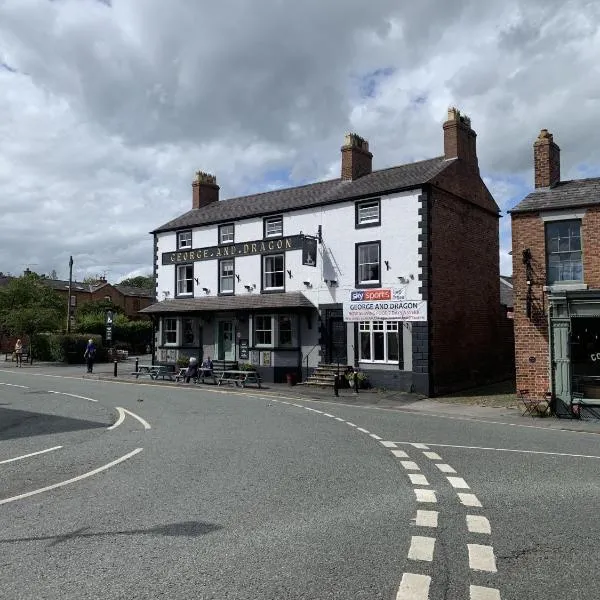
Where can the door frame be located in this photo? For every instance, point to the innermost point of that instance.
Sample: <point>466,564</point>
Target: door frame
<point>218,339</point>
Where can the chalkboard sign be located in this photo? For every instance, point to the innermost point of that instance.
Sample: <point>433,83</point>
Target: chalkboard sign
<point>244,352</point>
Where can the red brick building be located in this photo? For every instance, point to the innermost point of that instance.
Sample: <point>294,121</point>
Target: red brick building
<point>556,282</point>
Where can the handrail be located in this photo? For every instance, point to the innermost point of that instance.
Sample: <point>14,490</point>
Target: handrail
<point>306,356</point>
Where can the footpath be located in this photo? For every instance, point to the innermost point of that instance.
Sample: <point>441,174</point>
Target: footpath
<point>491,404</point>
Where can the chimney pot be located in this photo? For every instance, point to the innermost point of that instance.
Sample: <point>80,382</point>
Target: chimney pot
<point>205,190</point>
<point>546,159</point>
<point>356,158</point>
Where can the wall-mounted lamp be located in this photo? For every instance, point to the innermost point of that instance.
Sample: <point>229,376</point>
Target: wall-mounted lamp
<point>250,287</point>
<point>289,272</point>
<point>387,264</point>
<point>205,290</point>
<point>166,294</point>
<point>332,282</point>
<point>308,284</point>
<point>402,279</point>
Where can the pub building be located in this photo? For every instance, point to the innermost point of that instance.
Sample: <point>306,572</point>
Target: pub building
<point>556,285</point>
<point>394,271</point>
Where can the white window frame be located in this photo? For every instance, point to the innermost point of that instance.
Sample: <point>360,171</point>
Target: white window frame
<point>273,227</point>
<point>188,280</point>
<point>226,277</point>
<point>226,236</point>
<point>275,330</point>
<point>264,320</point>
<point>183,243</point>
<point>370,329</point>
<point>167,330</point>
<point>273,272</point>
<point>365,215</point>
<point>359,264</point>
<point>559,253</point>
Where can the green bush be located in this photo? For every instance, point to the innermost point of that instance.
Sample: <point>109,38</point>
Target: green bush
<point>70,348</point>
<point>40,347</point>
<point>132,336</point>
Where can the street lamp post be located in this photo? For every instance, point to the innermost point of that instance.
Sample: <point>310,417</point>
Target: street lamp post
<point>69,294</point>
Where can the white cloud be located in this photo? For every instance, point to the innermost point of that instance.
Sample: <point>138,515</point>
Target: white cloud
<point>109,110</point>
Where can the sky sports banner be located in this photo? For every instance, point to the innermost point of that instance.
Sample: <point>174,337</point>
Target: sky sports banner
<point>383,304</point>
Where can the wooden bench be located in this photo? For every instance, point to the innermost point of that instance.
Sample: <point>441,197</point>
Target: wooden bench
<point>237,377</point>
<point>532,404</point>
<point>154,372</point>
<point>12,356</point>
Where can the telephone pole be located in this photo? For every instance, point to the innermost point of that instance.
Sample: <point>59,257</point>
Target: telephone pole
<point>69,294</point>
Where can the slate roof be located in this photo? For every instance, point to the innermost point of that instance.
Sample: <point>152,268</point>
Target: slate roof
<point>130,290</point>
<point>243,302</point>
<point>506,291</point>
<point>565,194</point>
<point>325,192</point>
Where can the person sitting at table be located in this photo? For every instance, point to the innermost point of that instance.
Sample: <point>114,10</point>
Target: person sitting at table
<point>192,370</point>
<point>207,364</point>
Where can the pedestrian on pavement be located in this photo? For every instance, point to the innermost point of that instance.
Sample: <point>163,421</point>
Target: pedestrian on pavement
<point>90,355</point>
<point>19,353</point>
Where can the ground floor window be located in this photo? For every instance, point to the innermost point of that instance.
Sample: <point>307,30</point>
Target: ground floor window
<point>169,331</point>
<point>585,356</point>
<point>276,330</point>
<point>380,342</point>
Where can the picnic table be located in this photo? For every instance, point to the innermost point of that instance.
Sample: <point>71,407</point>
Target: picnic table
<point>200,377</point>
<point>153,371</point>
<point>239,377</point>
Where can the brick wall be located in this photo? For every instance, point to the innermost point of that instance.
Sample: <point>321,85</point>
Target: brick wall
<point>590,234</point>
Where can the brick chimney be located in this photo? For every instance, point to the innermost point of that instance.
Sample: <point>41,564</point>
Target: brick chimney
<point>356,158</point>
<point>546,158</point>
<point>205,190</point>
<point>460,139</point>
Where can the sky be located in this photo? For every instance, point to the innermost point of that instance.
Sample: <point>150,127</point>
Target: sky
<point>109,107</point>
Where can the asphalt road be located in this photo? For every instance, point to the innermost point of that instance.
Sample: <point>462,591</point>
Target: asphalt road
<point>114,490</point>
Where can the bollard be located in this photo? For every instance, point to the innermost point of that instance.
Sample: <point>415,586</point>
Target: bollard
<point>335,385</point>
<point>355,382</point>
<point>115,371</point>
<point>137,362</point>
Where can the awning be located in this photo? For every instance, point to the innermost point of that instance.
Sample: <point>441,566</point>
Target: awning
<point>224,303</point>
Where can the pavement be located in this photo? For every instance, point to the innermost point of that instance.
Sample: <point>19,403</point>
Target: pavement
<point>123,489</point>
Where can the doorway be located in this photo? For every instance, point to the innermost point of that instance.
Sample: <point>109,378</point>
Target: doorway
<point>225,340</point>
<point>335,337</point>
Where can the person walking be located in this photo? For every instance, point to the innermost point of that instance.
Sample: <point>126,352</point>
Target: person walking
<point>90,355</point>
<point>19,353</point>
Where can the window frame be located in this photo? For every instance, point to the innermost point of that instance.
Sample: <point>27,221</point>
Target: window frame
<point>360,204</point>
<point>263,288</point>
<point>220,234</point>
<point>547,227</point>
<point>220,275</point>
<point>275,331</point>
<point>266,220</point>
<point>255,329</point>
<point>177,269</point>
<point>386,327</point>
<point>367,283</point>
<point>164,331</point>
<point>179,234</point>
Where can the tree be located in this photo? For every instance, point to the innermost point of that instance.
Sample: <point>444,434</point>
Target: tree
<point>96,307</point>
<point>145,282</point>
<point>28,307</point>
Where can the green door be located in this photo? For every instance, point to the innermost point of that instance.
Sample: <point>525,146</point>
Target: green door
<point>225,345</point>
<point>561,359</point>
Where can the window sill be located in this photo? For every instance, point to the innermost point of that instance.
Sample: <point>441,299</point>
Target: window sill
<point>566,287</point>
<point>364,225</point>
<point>368,284</point>
<point>272,290</point>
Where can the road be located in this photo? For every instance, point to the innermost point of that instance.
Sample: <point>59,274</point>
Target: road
<point>114,490</point>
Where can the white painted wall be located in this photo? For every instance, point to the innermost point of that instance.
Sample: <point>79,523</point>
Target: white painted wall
<point>399,246</point>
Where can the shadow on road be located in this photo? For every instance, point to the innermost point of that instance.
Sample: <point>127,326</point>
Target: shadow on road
<point>16,424</point>
<point>183,529</point>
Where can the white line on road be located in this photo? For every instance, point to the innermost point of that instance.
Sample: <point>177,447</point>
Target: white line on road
<point>458,483</point>
<point>142,421</point>
<point>399,454</point>
<point>24,387</point>
<point>340,419</point>
<point>409,465</point>
<point>432,455</point>
<point>375,436</point>
<point>314,410</point>
<point>73,396</point>
<point>363,430</point>
<point>421,548</point>
<point>424,495</point>
<point>418,479</point>
<point>73,479</point>
<point>9,460</point>
<point>444,468</point>
<point>469,500</point>
<point>427,518</point>
<point>389,444</point>
<point>414,587</point>
<point>351,424</point>
<point>481,558</point>
<point>119,420</point>
<point>484,593</point>
<point>477,524</point>
<point>420,446</point>
<point>328,415</point>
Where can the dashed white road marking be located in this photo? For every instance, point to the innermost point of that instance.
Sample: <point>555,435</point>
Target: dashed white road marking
<point>478,524</point>
<point>424,495</point>
<point>399,454</point>
<point>458,483</point>
<point>427,518</point>
<point>351,424</point>
<point>375,436</point>
<point>388,444</point>
<point>432,455</point>
<point>469,499</point>
<point>483,593</point>
<point>73,479</point>
<point>297,405</point>
<point>363,430</point>
<point>328,415</point>
<point>24,387</point>
<point>418,479</point>
<point>481,558</point>
<point>414,587</point>
<point>421,548</point>
<point>340,419</point>
<point>317,411</point>
<point>420,446</point>
<point>9,460</point>
<point>444,468</point>
<point>409,465</point>
<point>73,396</point>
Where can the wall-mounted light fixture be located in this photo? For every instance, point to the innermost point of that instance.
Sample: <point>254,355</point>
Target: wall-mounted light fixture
<point>402,279</point>
<point>250,287</point>
<point>166,294</point>
<point>308,284</point>
<point>333,282</point>
<point>205,290</point>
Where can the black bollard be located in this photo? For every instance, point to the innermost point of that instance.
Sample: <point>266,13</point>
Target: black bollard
<point>137,362</point>
<point>356,382</point>
<point>335,385</point>
<point>115,371</point>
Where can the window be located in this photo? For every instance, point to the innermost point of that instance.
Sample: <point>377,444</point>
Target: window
<point>136,304</point>
<point>188,332</point>
<point>170,331</point>
<point>273,272</point>
<point>273,227</point>
<point>184,240</point>
<point>368,213</point>
<point>108,298</point>
<point>263,330</point>
<point>380,342</point>
<point>185,280</point>
<point>285,330</point>
<point>226,234</point>
<point>226,275</point>
<point>367,264</point>
<point>563,251</point>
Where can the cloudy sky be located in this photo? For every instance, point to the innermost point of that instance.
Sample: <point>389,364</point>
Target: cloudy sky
<point>108,107</point>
